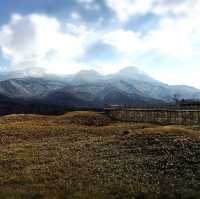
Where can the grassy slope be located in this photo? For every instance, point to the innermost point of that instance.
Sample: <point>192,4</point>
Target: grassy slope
<point>85,155</point>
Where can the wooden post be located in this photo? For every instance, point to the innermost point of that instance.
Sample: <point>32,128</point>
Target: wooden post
<point>186,116</point>
<point>182,117</point>
<point>175,116</point>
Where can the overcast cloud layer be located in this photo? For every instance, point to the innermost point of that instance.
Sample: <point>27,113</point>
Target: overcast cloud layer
<point>161,37</point>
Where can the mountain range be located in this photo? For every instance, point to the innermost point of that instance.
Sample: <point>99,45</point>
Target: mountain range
<point>86,89</point>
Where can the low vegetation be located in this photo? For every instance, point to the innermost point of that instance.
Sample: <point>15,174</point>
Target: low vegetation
<point>86,155</point>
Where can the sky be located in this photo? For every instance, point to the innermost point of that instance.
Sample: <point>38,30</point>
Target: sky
<point>161,37</point>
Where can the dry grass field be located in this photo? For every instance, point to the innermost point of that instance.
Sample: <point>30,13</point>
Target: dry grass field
<point>85,155</point>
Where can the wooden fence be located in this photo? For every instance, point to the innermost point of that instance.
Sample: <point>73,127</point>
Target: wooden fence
<point>153,115</point>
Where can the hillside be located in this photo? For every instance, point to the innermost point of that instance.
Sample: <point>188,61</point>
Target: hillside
<point>86,155</point>
<point>89,89</point>
<point>28,87</point>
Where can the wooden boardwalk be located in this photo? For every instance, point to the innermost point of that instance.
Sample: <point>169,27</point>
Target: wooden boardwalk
<point>155,115</point>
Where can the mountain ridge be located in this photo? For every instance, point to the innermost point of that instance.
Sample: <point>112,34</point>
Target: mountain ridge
<point>88,88</point>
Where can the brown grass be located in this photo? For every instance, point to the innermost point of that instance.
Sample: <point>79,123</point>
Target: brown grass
<point>86,155</point>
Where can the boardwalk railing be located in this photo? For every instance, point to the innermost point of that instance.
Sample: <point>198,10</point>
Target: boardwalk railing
<point>155,115</point>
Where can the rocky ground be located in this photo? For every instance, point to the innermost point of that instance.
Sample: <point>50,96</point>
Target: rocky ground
<point>86,155</point>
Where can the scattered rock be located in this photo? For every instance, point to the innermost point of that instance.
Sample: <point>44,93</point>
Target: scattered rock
<point>126,132</point>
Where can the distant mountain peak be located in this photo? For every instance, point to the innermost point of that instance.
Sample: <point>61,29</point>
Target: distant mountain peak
<point>131,70</point>
<point>133,73</point>
<point>22,73</point>
<point>88,72</point>
<point>88,75</point>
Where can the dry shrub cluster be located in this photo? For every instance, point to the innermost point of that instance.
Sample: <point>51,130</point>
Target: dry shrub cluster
<point>88,118</point>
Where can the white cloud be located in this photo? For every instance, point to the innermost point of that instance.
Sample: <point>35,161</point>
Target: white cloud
<point>127,8</point>
<point>42,41</point>
<point>89,4</point>
<point>176,7</point>
<point>176,38</point>
<point>124,41</point>
<point>75,16</point>
<point>172,38</point>
<point>177,76</point>
<point>86,1</point>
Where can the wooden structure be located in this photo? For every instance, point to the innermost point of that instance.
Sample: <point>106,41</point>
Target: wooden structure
<point>191,104</point>
<point>155,115</point>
